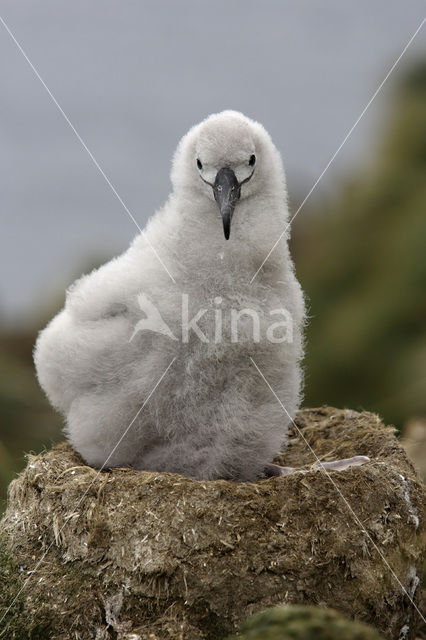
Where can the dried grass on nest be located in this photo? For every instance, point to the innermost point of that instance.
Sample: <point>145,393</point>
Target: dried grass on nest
<point>167,557</point>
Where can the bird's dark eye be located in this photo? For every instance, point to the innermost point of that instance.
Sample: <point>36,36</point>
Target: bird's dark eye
<point>252,160</point>
<point>199,165</point>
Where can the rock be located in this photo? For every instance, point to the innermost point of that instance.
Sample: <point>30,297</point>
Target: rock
<point>304,623</point>
<point>137,555</point>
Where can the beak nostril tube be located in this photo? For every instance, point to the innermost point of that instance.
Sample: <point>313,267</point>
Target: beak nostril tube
<point>226,196</point>
<point>227,191</point>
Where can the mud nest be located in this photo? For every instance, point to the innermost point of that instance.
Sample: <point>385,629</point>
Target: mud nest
<point>138,555</point>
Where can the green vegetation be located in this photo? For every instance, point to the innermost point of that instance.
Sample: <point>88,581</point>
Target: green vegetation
<point>304,623</point>
<point>28,421</point>
<point>363,267</point>
<point>18,620</point>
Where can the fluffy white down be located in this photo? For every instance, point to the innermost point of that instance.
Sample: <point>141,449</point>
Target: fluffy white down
<point>211,416</point>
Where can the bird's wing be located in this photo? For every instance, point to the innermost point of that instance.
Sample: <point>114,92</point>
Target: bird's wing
<point>108,290</point>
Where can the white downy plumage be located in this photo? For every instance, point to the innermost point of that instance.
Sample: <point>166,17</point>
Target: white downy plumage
<point>211,416</point>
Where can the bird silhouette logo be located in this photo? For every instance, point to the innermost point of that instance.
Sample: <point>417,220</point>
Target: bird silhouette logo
<point>153,321</point>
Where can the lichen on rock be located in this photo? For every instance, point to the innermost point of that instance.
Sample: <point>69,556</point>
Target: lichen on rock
<point>133,554</point>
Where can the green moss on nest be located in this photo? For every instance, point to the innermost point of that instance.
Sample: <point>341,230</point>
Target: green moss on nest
<point>10,585</point>
<point>16,623</point>
<point>304,623</point>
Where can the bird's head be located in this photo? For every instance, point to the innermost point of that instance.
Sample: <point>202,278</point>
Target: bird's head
<point>227,158</point>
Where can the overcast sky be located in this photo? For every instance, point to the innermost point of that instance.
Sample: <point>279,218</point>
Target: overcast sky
<point>134,76</point>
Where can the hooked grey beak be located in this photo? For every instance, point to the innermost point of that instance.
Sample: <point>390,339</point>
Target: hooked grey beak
<point>227,191</point>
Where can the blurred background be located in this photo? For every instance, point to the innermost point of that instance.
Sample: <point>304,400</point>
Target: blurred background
<point>133,77</point>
